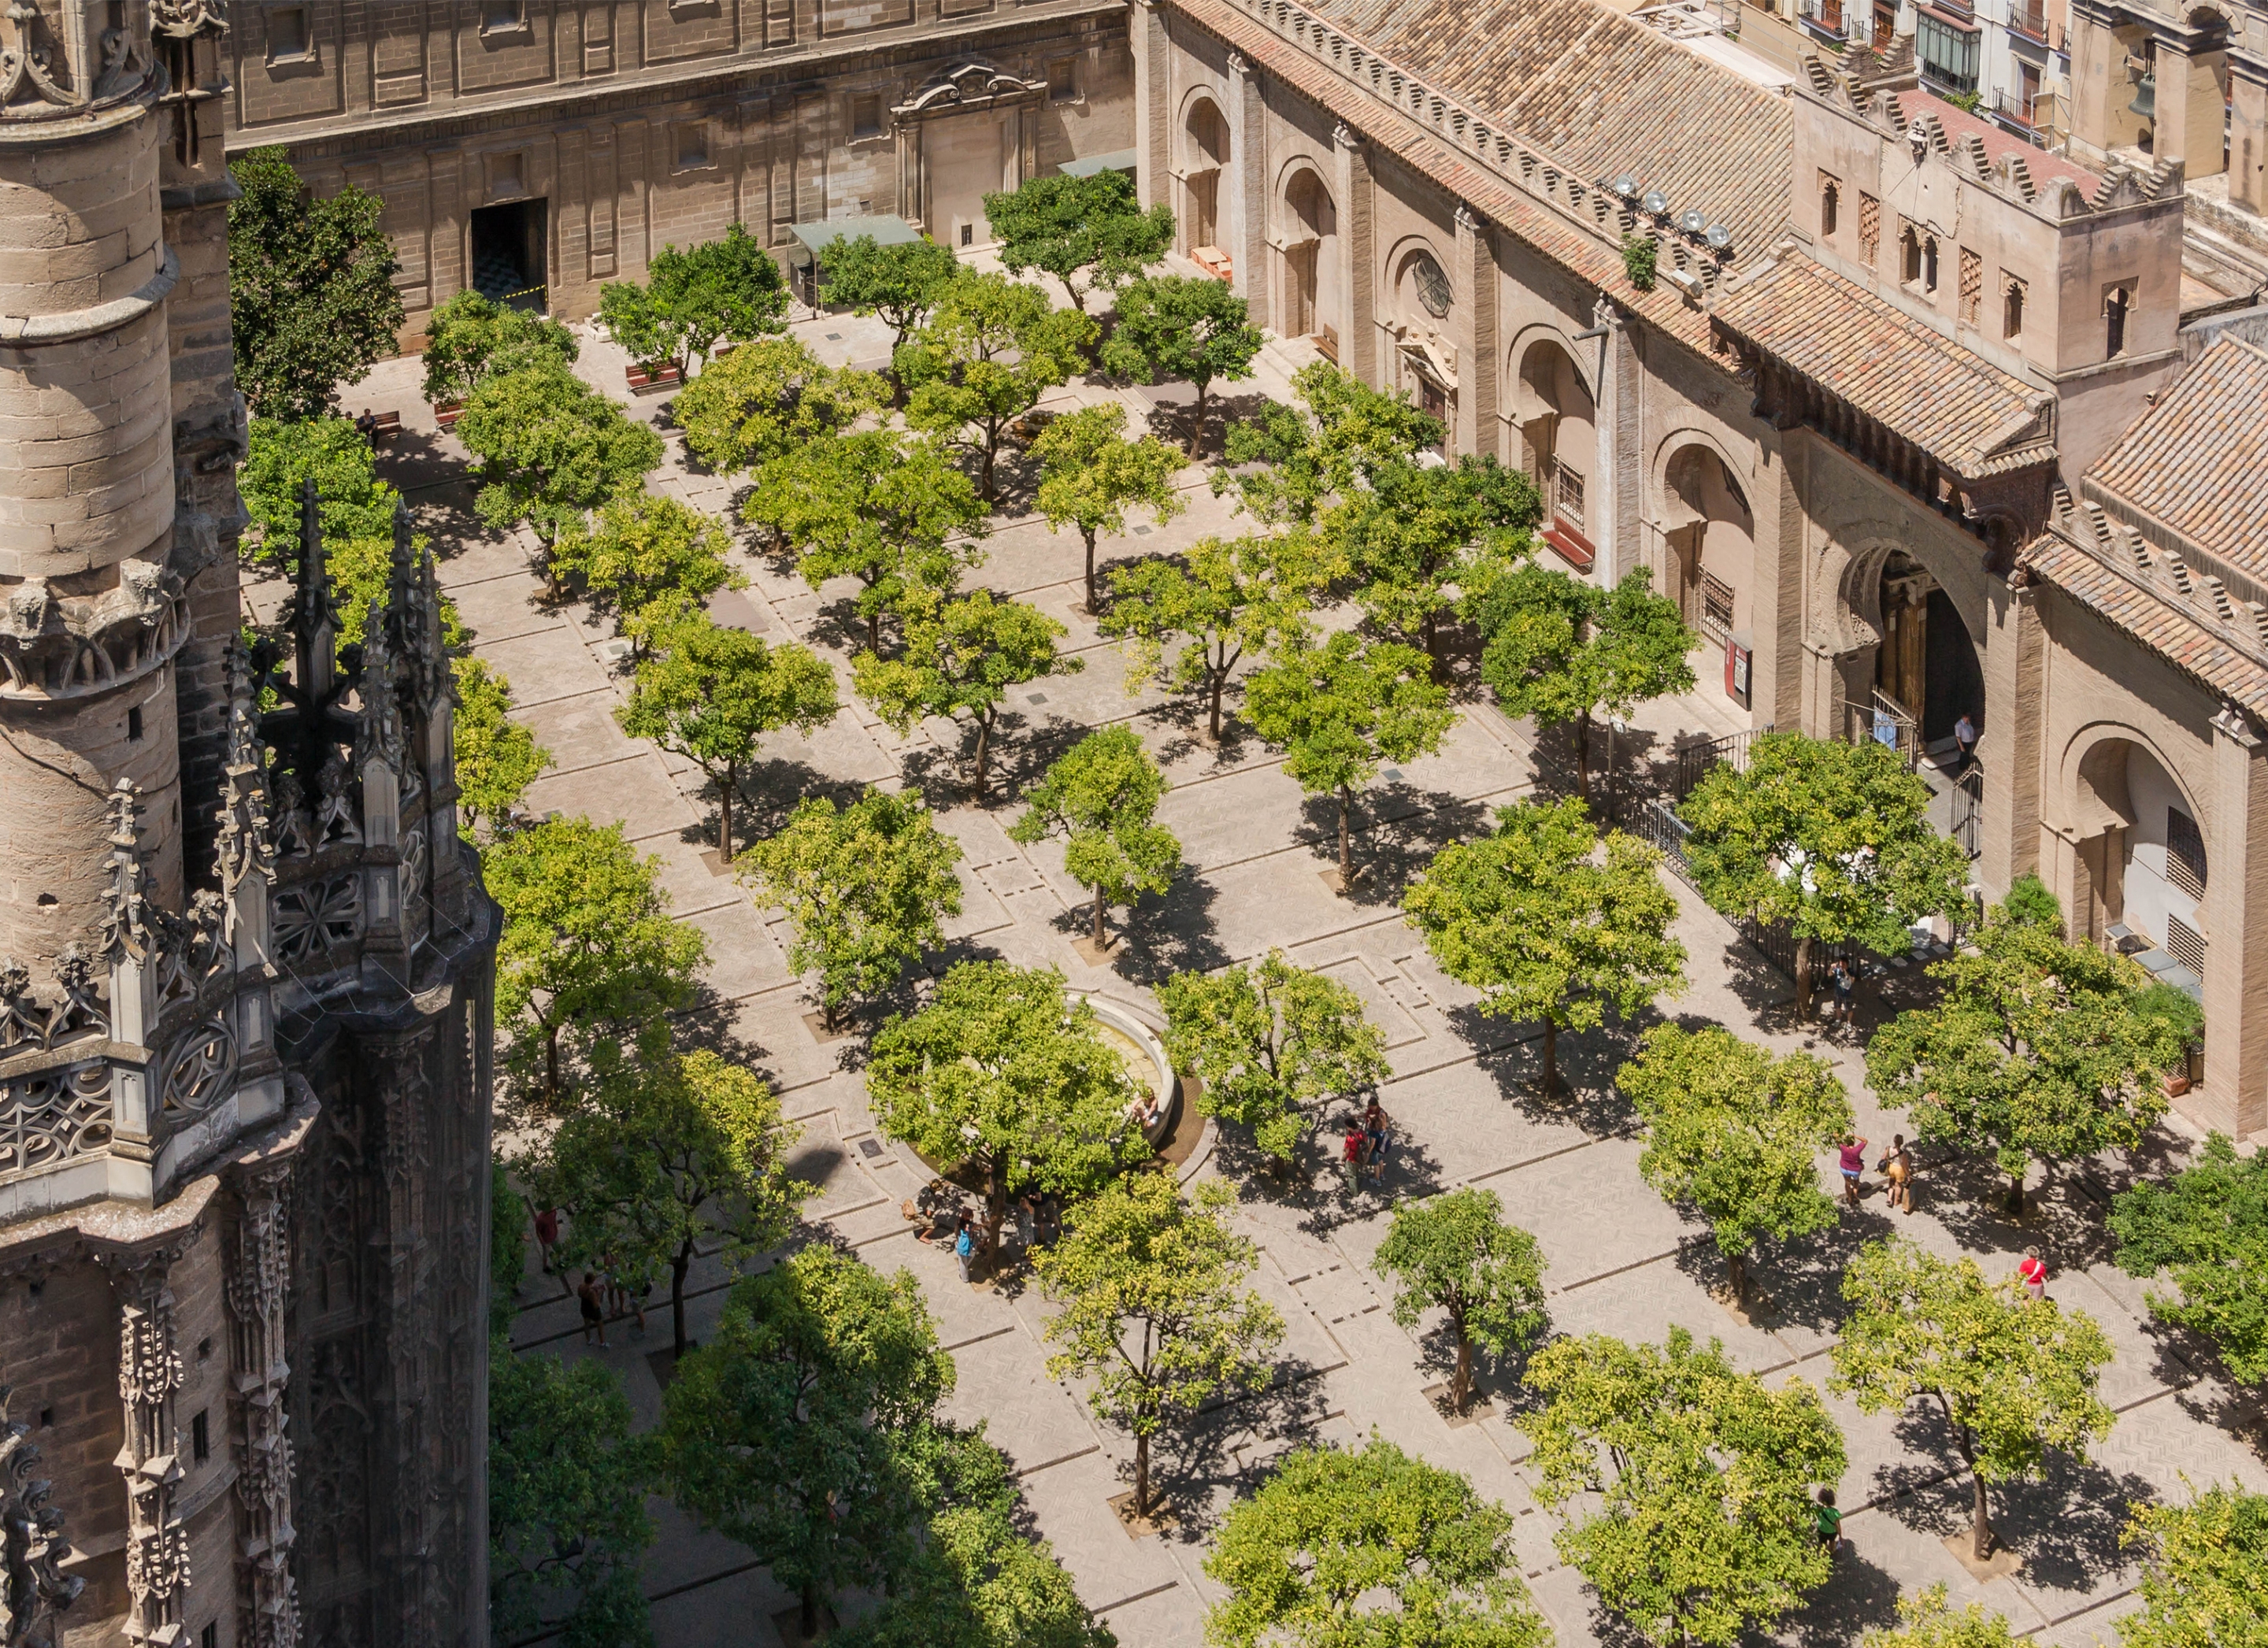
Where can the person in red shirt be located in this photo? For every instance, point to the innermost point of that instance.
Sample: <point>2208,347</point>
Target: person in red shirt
<point>1352,1149</point>
<point>1852,1154</point>
<point>2033,1272</point>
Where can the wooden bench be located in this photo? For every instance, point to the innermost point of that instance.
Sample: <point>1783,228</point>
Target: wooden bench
<point>448,413</point>
<point>378,426</point>
<point>651,380</point>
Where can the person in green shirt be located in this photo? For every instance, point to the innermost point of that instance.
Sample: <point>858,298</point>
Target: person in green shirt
<point>1830,1519</point>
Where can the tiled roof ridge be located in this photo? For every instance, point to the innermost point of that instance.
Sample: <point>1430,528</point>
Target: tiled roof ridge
<point>2186,469</point>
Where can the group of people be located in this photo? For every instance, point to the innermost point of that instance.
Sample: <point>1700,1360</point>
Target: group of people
<point>607,1294</point>
<point>1896,1166</point>
<point>942,1217</point>
<point>1368,1147</point>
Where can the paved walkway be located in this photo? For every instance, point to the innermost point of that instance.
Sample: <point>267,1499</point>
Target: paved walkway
<point>1620,1261</point>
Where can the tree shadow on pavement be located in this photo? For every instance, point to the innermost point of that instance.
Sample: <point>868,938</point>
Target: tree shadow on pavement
<point>1170,932</point>
<point>1512,1055</point>
<point>1859,1596</point>
<point>1227,1451</point>
<point>2065,1525</point>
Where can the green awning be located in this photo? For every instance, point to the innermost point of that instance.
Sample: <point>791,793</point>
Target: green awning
<point>1087,165</point>
<point>815,238</point>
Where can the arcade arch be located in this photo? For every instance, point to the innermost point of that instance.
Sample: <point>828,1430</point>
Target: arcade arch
<point>2142,843</point>
<point>1204,160</point>
<point>1558,433</point>
<point>1709,536</point>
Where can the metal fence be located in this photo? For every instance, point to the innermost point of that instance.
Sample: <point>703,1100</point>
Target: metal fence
<point>1694,760</point>
<point>1967,802</point>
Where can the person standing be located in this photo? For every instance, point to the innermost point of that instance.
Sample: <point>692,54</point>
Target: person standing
<point>1828,1519</point>
<point>1852,1153</point>
<point>1351,1150</point>
<point>1897,1167</point>
<point>1843,980</point>
<point>594,1312</point>
<point>964,1249</point>
<point>1964,743</point>
<point>547,1234</point>
<point>1027,1214</point>
<point>2033,1272</point>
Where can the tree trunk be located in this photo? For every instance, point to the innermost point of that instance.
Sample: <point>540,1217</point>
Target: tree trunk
<point>996,1208</point>
<point>1142,1475</point>
<point>1346,841</point>
<point>1432,632</point>
<point>983,748</point>
<point>1219,685</point>
<point>874,629</point>
<point>1981,1527</point>
<point>551,1065</point>
<point>1583,755</point>
<point>678,1267</point>
<point>2016,1194</point>
<point>1802,976</point>
<point>1099,940</point>
<point>725,789</point>
<point>1460,1382</point>
<point>1551,1059</point>
<point>807,1620</point>
<point>1090,572</point>
<point>1196,421</point>
<point>1736,1272</point>
<point>984,471</point>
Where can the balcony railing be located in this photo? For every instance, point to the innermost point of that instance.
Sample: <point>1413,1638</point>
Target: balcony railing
<point>2017,108</point>
<point>1827,19</point>
<point>2030,21</point>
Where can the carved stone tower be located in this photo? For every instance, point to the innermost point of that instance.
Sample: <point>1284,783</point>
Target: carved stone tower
<point>244,959</point>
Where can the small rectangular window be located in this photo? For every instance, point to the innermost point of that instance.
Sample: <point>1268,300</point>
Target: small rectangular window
<point>201,1437</point>
<point>134,722</point>
<point>500,16</point>
<point>969,234</point>
<point>692,147</point>
<point>866,118</point>
<point>1716,606</point>
<point>2185,943</point>
<point>209,1637</point>
<point>1568,493</point>
<point>2185,852</point>
<point>289,36</point>
<point>1063,80</point>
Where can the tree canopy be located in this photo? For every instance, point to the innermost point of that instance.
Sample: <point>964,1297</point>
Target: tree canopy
<point>1926,1620</point>
<point>900,284</point>
<point>1091,474</point>
<point>1457,1254</point>
<point>1102,793</point>
<point>2201,1567</point>
<point>865,888</point>
<point>671,1151</point>
<point>890,513</point>
<point>1736,1132</point>
<point>310,296</point>
<point>588,945</point>
<point>1152,1308</point>
<point>1209,607</point>
<point>567,1482</point>
<point>2207,1231</point>
<point>726,291</point>
<point>711,691</point>
<point>2013,1376</point>
<point>468,337</point>
<point>1185,326</point>
<point>788,1431</point>
<point>1559,650</point>
<point>1289,464</point>
<point>989,350</point>
<point>643,545</point>
<point>551,449</point>
<point>1067,226</point>
<point>1546,928</point>
<point>2034,1050</point>
<point>962,653</point>
<point>497,757</point>
<point>1704,1475</point>
<point>1340,709</point>
<point>1832,838</point>
<point>1411,533</point>
<point>1337,1548</point>
<point>1004,1070</point>
<point>1270,1044</point>
<point>767,398</point>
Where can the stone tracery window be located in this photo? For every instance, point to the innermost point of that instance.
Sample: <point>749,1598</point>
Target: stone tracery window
<point>1431,284</point>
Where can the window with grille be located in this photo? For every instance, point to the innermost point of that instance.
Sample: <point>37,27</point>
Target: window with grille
<point>2185,943</point>
<point>1870,226</point>
<point>1716,607</point>
<point>2184,853</point>
<point>866,118</point>
<point>1973,285</point>
<point>1568,493</point>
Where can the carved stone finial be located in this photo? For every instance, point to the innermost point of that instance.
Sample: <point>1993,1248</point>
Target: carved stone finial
<point>126,922</point>
<point>33,1588</point>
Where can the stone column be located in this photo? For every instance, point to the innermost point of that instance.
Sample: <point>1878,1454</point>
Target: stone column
<point>1776,591</point>
<point>258,1290</point>
<point>1358,256</point>
<point>2014,657</point>
<point>2248,132</point>
<point>2189,122</point>
<point>1245,228</point>
<point>1619,463</point>
<point>148,1374</point>
<point>1153,105</point>
<point>2236,918</point>
<point>1476,344</point>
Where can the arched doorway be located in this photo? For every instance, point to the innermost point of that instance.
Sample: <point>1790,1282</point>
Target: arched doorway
<point>1926,665</point>
<point>1311,296</point>
<point>1204,156</point>
<point>1559,437</point>
<point>2146,862</point>
<point>1709,544</point>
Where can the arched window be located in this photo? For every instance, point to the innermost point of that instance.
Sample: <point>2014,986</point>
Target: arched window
<point>1431,283</point>
<point>1830,201</point>
<point>1909,256</point>
<point>2114,306</point>
<point>1929,263</point>
<point>2012,309</point>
